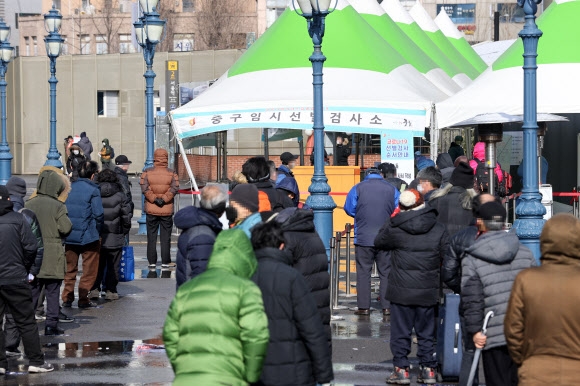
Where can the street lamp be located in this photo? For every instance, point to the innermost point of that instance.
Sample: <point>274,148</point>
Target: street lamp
<point>315,12</point>
<point>5,57</point>
<point>148,31</point>
<point>53,42</point>
<point>530,211</point>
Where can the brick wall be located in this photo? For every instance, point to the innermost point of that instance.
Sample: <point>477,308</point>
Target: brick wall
<point>204,167</point>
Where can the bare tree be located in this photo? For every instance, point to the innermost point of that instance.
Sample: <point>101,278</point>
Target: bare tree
<point>77,44</point>
<point>167,12</point>
<point>220,23</point>
<point>107,22</point>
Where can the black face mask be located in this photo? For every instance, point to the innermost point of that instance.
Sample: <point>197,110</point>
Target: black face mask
<point>231,214</point>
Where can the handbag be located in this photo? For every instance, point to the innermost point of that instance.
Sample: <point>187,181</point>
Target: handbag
<point>127,265</point>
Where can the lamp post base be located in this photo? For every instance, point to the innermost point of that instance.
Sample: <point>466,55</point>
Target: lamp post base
<point>530,222</point>
<point>143,219</point>
<point>322,205</point>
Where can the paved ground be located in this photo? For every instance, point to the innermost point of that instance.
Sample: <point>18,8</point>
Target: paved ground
<point>115,344</point>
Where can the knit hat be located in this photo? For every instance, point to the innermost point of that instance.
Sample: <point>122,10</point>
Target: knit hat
<point>410,199</point>
<point>247,196</point>
<point>462,176</point>
<point>16,186</point>
<point>4,195</point>
<point>492,211</point>
<point>458,138</point>
<point>460,159</point>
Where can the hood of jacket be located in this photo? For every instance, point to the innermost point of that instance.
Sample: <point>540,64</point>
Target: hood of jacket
<point>444,161</point>
<point>559,241</point>
<point>51,182</point>
<point>109,189</point>
<point>74,146</point>
<point>192,216</point>
<point>161,158</point>
<point>18,202</point>
<point>84,139</point>
<point>106,141</point>
<point>233,252</point>
<point>274,254</point>
<point>479,151</point>
<point>497,247</point>
<point>296,220</point>
<point>289,184</point>
<point>416,222</point>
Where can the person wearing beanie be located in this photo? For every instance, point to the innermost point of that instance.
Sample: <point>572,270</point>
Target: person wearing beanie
<point>243,209</point>
<point>455,149</point>
<point>19,249</point>
<point>417,244</point>
<point>371,202</point>
<point>543,309</point>
<point>257,172</point>
<point>453,201</point>
<point>489,269</point>
<point>86,145</point>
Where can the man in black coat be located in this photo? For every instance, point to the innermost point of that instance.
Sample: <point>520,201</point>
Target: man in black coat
<point>417,243</point>
<point>298,353</point>
<point>122,166</point>
<point>257,172</point>
<point>389,172</point>
<point>342,151</point>
<point>308,257</point>
<point>19,247</point>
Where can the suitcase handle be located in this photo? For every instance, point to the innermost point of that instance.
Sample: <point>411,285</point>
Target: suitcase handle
<point>456,341</point>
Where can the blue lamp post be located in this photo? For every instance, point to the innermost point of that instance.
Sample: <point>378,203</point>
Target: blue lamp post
<point>148,30</point>
<point>315,12</point>
<point>530,211</point>
<point>5,58</point>
<point>53,42</point>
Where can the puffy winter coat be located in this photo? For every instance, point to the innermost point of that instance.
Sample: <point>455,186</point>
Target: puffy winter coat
<point>451,268</point>
<point>542,323</point>
<point>159,182</point>
<point>417,243</point>
<point>453,203</point>
<point>308,257</point>
<point>85,209</point>
<point>488,272</point>
<point>75,160</point>
<point>30,217</point>
<point>371,202</point>
<point>298,352</point>
<point>289,185</point>
<point>283,172</point>
<point>479,154</point>
<point>125,185</point>
<point>86,146</point>
<point>18,245</point>
<point>117,216</point>
<point>342,154</point>
<point>216,331</point>
<point>445,166</point>
<point>200,229</point>
<point>278,200</point>
<point>47,203</point>
<point>106,152</point>
<point>455,151</point>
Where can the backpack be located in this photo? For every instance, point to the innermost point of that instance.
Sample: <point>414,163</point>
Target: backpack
<point>482,178</point>
<point>505,186</point>
<point>112,153</point>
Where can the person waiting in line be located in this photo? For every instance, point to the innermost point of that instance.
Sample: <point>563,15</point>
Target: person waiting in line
<point>242,212</point>
<point>86,145</point>
<point>455,149</point>
<point>107,154</point>
<point>257,173</point>
<point>75,159</point>
<point>285,170</point>
<point>342,151</point>
<point>429,180</point>
<point>445,166</point>
<point>389,172</point>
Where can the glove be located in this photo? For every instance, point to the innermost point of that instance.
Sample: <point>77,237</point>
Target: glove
<point>159,202</point>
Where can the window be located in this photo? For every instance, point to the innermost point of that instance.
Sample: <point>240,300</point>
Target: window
<point>34,46</point>
<point>126,45</point>
<point>102,45</point>
<point>459,13</point>
<point>64,50</point>
<point>108,104</point>
<point>27,46</point>
<point>85,42</point>
<point>56,4</point>
<point>183,42</point>
<point>187,6</point>
<point>510,13</point>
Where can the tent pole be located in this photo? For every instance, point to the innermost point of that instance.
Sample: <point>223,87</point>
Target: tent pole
<point>266,143</point>
<point>356,148</point>
<point>225,155</point>
<point>218,146</point>
<point>301,145</point>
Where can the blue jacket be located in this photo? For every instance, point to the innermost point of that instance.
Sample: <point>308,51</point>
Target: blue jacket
<point>248,223</point>
<point>371,203</point>
<point>194,246</point>
<point>290,185</point>
<point>85,210</point>
<point>283,172</point>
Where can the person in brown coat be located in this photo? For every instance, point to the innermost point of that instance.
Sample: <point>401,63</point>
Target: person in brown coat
<point>159,185</point>
<point>542,323</point>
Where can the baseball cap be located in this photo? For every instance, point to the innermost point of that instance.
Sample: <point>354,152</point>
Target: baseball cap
<point>122,160</point>
<point>287,157</point>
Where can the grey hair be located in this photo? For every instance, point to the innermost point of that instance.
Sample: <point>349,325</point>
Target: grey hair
<point>213,197</point>
<point>494,225</point>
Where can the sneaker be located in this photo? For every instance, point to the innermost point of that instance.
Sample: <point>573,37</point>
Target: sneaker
<point>427,375</point>
<point>88,305</point>
<point>399,376</point>
<point>94,294</point>
<point>39,317</point>
<point>152,266</point>
<point>44,368</point>
<point>2,371</point>
<point>67,304</point>
<point>112,296</point>
<point>13,354</point>
<point>65,319</point>
<point>168,265</point>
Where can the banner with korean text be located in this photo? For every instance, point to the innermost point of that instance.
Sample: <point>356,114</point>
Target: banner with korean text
<point>397,148</point>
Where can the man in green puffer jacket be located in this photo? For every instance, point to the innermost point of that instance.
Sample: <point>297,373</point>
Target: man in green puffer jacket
<point>216,331</point>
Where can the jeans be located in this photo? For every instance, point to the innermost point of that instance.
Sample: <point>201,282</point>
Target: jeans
<point>90,253</point>
<point>163,224</point>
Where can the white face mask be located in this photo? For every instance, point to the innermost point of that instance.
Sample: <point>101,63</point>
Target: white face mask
<point>75,152</point>
<point>420,188</point>
<point>104,144</point>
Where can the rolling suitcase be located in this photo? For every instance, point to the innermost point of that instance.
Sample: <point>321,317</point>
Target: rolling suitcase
<point>449,345</point>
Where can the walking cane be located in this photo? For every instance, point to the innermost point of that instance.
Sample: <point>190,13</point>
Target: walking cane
<point>475,363</point>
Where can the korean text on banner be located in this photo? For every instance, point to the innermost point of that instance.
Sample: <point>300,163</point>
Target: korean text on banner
<point>397,148</point>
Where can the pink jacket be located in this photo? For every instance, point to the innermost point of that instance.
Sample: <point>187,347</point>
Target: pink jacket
<point>479,153</point>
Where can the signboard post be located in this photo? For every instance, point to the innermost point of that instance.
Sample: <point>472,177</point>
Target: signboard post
<point>397,148</point>
<point>171,85</point>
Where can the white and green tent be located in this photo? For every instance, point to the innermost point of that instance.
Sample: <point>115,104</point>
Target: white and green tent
<point>451,32</point>
<point>501,87</point>
<point>406,23</point>
<point>369,87</point>
<point>420,15</point>
<point>376,16</point>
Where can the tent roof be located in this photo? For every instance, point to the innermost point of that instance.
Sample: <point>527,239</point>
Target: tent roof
<point>500,87</point>
<point>489,51</point>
